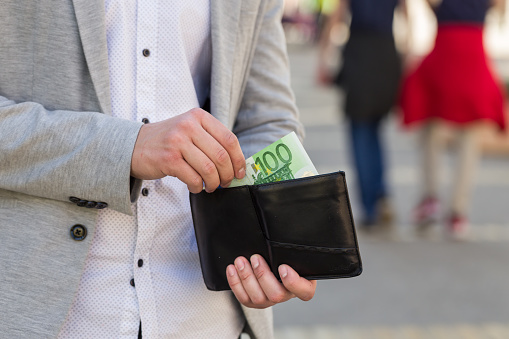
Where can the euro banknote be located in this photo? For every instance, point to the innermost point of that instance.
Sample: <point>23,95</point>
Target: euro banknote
<point>285,159</point>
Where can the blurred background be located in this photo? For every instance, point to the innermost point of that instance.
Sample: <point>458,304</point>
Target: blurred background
<point>414,285</point>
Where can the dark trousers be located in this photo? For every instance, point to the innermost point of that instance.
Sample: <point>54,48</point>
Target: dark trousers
<point>369,162</point>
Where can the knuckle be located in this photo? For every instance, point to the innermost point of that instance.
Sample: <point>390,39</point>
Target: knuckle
<point>260,273</point>
<point>244,275</point>
<point>186,125</point>
<point>231,140</point>
<point>173,157</point>
<point>222,156</point>
<point>234,283</point>
<point>195,184</point>
<point>174,139</point>
<point>196,112</point>
<point>196,181</point>
<point>209,168</point>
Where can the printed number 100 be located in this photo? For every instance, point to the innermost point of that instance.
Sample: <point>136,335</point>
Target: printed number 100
<point>270,163</point>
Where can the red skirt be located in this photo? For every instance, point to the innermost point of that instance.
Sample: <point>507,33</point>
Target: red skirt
<point>454,82</point>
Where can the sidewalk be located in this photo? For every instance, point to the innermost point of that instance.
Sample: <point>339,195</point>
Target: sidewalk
<point>411,287</point>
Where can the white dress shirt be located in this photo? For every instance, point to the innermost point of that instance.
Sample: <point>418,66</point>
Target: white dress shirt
<point>159,58</point>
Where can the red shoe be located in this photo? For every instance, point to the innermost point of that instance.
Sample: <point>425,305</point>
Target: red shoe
<point>457,227</point>
<point>427,212</point>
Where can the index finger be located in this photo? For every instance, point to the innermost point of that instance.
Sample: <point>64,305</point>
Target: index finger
<point>229,141</point>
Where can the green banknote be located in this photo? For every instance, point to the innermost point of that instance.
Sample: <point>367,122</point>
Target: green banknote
<point>283,160</point>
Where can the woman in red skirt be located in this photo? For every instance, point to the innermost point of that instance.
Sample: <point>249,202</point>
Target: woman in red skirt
<point>454,85</point>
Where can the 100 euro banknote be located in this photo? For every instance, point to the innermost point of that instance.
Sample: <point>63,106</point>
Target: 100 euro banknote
<point>283,160</point>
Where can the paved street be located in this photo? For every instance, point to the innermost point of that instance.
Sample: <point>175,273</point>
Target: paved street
<point>411,287</point>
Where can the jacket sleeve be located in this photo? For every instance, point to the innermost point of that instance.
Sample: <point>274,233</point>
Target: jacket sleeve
<point>62,154</point>
<point>267,111</point>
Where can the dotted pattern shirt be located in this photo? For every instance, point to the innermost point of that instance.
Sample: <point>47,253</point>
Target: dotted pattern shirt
<point>159,57</point>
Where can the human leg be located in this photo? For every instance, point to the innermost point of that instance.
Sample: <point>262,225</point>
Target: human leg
<point>368,159</point>
<point>427,210</point>
<point>466,166</point>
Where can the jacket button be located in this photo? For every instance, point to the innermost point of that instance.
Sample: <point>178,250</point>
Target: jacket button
<point>101,205</point>
<point>132,282</point>
<point>145,120</point>
<point>146,52</point>
<point>82,203</point>
<point>144,191</point>
<point>74,200</point>
<point>78,232</point>
<point>90,204</point>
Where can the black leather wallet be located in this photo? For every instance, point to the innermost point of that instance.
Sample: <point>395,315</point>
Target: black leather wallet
<point>306,223</point>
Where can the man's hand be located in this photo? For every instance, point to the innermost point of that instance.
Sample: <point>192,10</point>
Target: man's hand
<point>194,147</point>
<point>255,285</point>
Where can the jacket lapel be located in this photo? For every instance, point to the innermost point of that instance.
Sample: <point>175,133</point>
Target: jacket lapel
<point>91,23</point>
<point>224,17</point>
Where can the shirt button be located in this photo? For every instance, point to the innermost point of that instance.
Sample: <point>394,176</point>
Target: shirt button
<point>132,282</point>
<point>145,121</point>
<point>78,232</point>
<point>144,191</point>
<point>146,52</point>
<point>140,262</point>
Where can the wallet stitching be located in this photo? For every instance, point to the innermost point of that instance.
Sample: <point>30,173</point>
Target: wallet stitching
<point>313,248</point>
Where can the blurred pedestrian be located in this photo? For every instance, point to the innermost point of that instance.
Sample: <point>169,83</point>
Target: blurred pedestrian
<point>453,86</point>
<point>370,78</point>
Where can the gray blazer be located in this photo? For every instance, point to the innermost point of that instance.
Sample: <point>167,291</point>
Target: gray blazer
<point>55,143</point>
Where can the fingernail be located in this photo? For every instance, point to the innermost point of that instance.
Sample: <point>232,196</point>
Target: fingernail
<point>231,270</point>
<point>240,265</point>
<point>283,272</point>
<point>254,261</point>
<point>241,173</point>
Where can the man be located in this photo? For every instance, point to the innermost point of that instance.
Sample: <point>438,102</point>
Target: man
<point>96,96</point>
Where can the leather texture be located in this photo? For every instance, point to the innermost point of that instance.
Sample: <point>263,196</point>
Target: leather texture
<point>306,223</point>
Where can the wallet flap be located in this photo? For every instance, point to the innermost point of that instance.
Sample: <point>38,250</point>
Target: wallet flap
<point>311,211</point>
